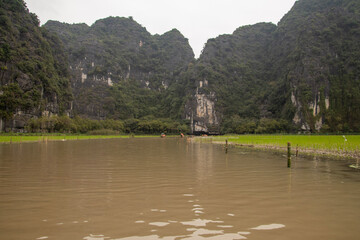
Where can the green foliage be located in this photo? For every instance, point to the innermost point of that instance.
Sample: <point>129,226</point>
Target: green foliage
<point>329,143</point>
<point>131,101</point>
<point>314,49</point>
<point>235,68</point>
<point>65,124</point>
<point>273,126</point>
<point>152,126</point>
<point>238,125</point>
<point>5,55</point>
<point>140,65</point>
<point>323,48</point>
<point>33,60</point>
<point>344,114</point>
<point>103,132</point>
<point>10,100</point>
<point>253,74</point>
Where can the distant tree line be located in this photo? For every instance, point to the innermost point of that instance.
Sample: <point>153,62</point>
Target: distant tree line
<point>65,124</point>
<point>239,125</point>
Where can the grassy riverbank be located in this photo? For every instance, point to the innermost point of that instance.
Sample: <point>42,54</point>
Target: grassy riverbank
<point>6,138</point>
<point>333,145</point>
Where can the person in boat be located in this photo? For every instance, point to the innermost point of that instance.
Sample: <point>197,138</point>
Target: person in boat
<point>163,135</point>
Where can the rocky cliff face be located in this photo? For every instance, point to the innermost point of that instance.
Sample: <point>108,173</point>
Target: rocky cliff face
<point>115,50</point>
<point>33,68</point>
<point>229,78</point>
<point>200,110</point>
<point>305,70</point>
<point>302,74</point>
<point>315,48</point>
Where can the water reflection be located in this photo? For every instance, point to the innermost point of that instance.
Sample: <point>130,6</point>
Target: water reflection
<point>204,161</point>
<point>198,233</point>
<point>171,189</point>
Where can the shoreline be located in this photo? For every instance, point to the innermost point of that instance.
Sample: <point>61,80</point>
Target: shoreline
<point>16,139</point>
<point>301,151</point>
<point>295,150</point>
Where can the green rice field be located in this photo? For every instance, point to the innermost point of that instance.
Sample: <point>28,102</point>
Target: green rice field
<point>334,143</point>
<point>348,145</point>
<point>42,138</point>
<point>34,138</point>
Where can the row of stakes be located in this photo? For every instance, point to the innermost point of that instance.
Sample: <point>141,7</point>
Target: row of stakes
<point>288,152</point>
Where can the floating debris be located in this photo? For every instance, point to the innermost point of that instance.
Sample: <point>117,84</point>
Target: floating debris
<point>356,166</point>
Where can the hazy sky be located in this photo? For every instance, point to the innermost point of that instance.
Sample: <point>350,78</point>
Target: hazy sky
<point>197,20</point>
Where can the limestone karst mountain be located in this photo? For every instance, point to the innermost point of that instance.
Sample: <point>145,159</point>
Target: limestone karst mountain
<point>115,54</point>
<point>34,76</point>
<point>301,74</point>
<point>304,71</point>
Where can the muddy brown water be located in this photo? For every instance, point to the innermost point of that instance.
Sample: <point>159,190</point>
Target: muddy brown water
<point>171,189</point>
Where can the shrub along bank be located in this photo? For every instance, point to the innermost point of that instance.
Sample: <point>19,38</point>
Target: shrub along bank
<point>65,124</point>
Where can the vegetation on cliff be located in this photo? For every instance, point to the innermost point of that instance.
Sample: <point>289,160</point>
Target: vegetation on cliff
<point>301,74</point>
<point>236,70</point>
<point>34,73</point>
<point>65,124</point>
<point>315,55</point>
<point>120,70</point>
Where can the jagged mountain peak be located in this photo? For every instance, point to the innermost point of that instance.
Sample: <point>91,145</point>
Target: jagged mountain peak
<point>54,23</point>
<point>118,25</point>
<point>174,33</point>
<point>116,50</point>
<point>262,27</point>
<point>303,70</point>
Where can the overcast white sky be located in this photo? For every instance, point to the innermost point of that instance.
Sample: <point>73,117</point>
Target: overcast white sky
<point>197,20</point>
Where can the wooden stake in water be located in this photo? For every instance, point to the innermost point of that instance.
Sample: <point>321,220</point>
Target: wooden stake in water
<point>226,146</point>
<point>289,155</point>
<point>297,151</point>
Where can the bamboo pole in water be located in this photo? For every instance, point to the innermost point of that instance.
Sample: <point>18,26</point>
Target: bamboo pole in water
<point>289,155</point>
<point>226,146</point>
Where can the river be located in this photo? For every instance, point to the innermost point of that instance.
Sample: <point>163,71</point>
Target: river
<point>153,188</point>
